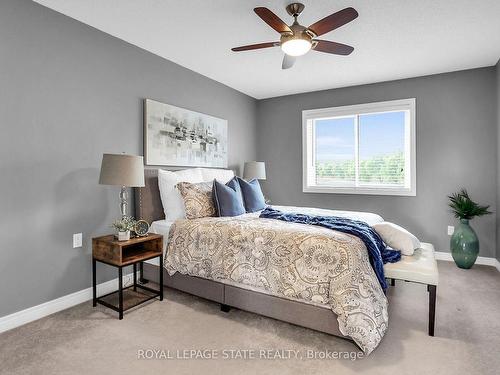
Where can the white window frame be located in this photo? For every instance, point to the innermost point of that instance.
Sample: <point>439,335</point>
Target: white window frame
<point>308,163</point>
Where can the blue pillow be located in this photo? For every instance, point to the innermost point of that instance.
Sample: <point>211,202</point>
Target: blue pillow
<point>227,198</point>
<point>252,195</point>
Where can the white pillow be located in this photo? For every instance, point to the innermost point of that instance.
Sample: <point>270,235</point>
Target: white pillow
<point>222,175</point>
<point>397,237</point>
<point>171,199</point>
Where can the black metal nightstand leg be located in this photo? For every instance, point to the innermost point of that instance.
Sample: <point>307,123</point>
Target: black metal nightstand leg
<point>135,277</point>
<point>432,289</point>
<point>142,280</point>
<point>120,292</point>
<point>94,283</point>
<point>161,277</point>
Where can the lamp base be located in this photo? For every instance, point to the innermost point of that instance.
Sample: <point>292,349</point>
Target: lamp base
<point>123,201</point>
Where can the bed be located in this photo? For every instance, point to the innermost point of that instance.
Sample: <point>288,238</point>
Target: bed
<point>271,268</point>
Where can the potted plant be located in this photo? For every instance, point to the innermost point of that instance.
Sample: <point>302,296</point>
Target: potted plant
<point>464,243</point>
<point>123,227</point>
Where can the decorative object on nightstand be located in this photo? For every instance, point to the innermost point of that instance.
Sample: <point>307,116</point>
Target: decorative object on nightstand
<point>464,243</point>
<point>123,227</point>
<point>254,169</point>
<point>122,170</point>
<point>141,228</point>
<point>120,254</point>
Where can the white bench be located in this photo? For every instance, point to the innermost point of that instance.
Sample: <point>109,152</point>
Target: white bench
<point>421,268</point>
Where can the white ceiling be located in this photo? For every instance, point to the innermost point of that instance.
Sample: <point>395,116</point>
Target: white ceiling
<point>392,38</point>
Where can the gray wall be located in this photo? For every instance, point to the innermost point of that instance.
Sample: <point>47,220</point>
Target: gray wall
<point>456,147</point>
<point>68,93</point>
<point>498,158</point>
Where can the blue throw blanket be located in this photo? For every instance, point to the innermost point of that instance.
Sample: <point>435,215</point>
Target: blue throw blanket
<point>377,251</point>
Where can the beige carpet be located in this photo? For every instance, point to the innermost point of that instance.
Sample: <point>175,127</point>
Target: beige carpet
<point>86,340</point>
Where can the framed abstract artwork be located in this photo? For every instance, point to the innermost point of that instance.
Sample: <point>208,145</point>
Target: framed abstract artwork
<point>178,137</point>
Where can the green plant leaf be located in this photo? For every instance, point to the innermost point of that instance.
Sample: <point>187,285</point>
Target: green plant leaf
<point>463,207</point>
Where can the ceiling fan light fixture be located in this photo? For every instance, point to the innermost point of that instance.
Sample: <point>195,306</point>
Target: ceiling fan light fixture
<point>296,47</point>
<point>297,40</point>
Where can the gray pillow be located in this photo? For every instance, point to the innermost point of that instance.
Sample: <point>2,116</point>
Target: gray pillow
<point>227,198</point>
<point>252,195</point>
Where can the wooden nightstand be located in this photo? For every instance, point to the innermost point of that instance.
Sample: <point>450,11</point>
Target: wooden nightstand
<point>108,250</point>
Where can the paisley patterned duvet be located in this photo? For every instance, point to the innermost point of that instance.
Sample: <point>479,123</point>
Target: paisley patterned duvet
<point>296,261</point>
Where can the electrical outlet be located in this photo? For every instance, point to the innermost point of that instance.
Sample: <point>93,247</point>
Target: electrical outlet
<point>77,240</point>
<point>451,230</point>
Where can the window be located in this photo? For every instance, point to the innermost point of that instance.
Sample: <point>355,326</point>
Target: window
<point>360,149</point>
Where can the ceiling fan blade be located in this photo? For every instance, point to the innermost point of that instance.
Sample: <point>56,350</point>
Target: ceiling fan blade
<point>272,20</point>
<point>255,46</point>
<point>288,61</point>
<point>333,21</point>
<point>332,47</point>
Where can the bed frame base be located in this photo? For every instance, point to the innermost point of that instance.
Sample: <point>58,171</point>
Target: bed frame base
<point>228,296</point>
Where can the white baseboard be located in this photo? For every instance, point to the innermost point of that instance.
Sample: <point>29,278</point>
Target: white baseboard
<point>486,261</point>
<point>37,312</point>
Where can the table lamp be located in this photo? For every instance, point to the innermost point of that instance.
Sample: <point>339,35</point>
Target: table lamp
<point>122,170</point>
<point>254,169</point>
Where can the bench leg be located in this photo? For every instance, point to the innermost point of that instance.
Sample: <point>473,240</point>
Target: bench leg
<point>224,307</point>
<point>432,307</point>
<point>393,282</point>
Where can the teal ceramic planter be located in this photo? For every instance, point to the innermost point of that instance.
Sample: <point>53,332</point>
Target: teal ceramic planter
<point>464,245</point>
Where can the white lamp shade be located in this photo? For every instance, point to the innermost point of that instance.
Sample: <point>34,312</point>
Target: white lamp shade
<point>122,170</point>
<point>254,169</point>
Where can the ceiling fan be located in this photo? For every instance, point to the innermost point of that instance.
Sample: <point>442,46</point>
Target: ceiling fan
<point>296,40</point>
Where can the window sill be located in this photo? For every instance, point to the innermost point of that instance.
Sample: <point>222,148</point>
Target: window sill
<point>360,191</point>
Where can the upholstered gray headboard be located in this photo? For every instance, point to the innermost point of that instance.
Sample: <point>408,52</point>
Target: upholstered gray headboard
<point>147,199</point>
